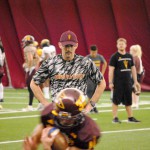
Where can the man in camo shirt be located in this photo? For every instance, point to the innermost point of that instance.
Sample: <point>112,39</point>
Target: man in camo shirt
<point>68,70</point>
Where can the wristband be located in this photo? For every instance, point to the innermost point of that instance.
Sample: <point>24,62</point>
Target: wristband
<point>53,131</point>
<point>92,103</point>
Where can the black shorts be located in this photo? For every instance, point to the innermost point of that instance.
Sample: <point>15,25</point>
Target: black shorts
<point>91,86</point>
<point>122,93</point>
<point>29,77</point>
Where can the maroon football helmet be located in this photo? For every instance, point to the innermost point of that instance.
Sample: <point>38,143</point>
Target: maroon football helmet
<point>70,103</point>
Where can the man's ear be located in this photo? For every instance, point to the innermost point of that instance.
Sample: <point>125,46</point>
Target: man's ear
<point>60,45</point>
<point>76,46</point>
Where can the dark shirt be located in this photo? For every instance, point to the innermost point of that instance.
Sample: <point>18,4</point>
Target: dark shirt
<point>123,65</point>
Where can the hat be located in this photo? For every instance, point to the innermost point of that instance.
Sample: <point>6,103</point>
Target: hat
<point>68,38</point>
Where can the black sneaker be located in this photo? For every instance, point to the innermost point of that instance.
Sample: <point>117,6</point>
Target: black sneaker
<point>132,119</point>
<point>95,110</point>
<point>116,120</point>
<point>1,100</point>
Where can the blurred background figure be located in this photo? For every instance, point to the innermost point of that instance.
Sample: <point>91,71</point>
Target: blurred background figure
<point>48,51</point>
<point>136,52</point>
<point>30,65</point>
<point>101,64</point>
<point>2,60</point>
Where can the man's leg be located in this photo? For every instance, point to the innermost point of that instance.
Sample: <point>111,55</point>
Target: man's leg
<point>114,110</point>
<point>130,115</point>
<point>129,111</point>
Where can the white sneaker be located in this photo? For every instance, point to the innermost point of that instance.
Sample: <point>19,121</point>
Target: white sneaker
<point>1,107</point>
<point>28,108</point>
<point>133,105</point>
<point>40,107</point>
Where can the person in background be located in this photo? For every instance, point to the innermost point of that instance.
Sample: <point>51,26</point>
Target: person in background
<point>68,70</point>
<point>100,62</point>
<point>30,65</point>
<point>65,116</point>
<point>48,51</point>
<point>121,66</point>
<point>136,52</point>
<point>2,60</point>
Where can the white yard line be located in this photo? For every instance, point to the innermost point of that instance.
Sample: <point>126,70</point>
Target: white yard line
<point>104,132</point>
<point>31,116</point>
<point>9,111</point>
<point>122,131</point>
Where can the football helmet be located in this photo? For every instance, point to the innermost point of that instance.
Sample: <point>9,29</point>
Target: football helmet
<point>45,42</point>
<point>70,103</point>
<point>28,39</point>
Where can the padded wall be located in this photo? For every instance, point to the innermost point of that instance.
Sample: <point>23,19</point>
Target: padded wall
<point>98,22</point>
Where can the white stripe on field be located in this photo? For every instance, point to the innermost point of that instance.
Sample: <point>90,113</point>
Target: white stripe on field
<point>109,110</point>
<point>124,109</point>
<point>104,132</point>
<point>131,130</point>
<point>5,118</point>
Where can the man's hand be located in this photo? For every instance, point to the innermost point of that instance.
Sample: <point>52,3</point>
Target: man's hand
<point>88,108</point>
<point>111,86</point>
<point>137,88</point>
<point>28,144</point>
<point>48,138</point>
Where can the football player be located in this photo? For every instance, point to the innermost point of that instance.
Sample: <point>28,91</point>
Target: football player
<point>48,51</point>
<point>65,116</point>
<point>2,60</point>
<point>30,65</point>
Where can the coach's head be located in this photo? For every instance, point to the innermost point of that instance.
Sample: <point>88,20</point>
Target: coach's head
<point>68,44</point>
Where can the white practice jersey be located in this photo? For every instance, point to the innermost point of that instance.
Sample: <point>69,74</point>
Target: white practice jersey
<point>48,52</point>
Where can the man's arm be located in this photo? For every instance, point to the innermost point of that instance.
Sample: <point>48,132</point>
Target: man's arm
<point>38,93</point>
<point>111,77</point>
<point>97,94</point>
<point>32,142</point>
<point>104,66</point>
<point>29,59</point>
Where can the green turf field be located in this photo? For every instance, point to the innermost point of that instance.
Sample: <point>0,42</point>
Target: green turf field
<point>15,124</point>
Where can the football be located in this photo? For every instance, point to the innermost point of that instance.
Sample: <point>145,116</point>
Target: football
<point>60,142</point>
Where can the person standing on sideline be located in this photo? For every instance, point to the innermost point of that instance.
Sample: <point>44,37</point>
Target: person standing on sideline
<point>68,70</point>
<point>121,66</point>
<point>2,60</point>
<point>136,52</point>
<point>98,60</point>
<point>48,51</point>
<point>30,65</point>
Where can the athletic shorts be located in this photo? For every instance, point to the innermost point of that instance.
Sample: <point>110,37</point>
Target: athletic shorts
<point>90,88</point>
<point>122,93</point>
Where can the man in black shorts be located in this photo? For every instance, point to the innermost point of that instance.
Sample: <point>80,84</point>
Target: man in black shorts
<point>68,70</point>
<point>66,115</point>
<point>121,67</point>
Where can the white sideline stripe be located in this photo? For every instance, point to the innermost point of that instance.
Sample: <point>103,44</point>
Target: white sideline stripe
<point>15,111</point>
<point>131,130</point>
<point>124,109</point>
<point>5,118</point>
<point>105,132</point>
<point>8,142</point>
<point>32,116</point>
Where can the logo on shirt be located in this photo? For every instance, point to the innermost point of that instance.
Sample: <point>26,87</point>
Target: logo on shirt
<point>67,76</point>
<point>125,63</point>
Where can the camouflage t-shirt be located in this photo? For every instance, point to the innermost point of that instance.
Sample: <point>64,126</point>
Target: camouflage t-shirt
<point>67,74</point>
